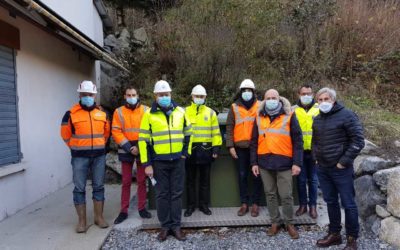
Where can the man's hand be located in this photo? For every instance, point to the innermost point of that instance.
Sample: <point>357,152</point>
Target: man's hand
<point>149,171</point>
<point>340,166</point>
<point>134,150</point>
<point>255,170</point>
<point>296,170</point>
<point>215,156</point>
<point>183,157</point>
<point>232,151</point>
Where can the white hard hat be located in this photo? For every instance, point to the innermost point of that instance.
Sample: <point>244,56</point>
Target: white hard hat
<point>161,86</point>
<point>87,87</point>
<point>199,90</point>
<point>247,84</point>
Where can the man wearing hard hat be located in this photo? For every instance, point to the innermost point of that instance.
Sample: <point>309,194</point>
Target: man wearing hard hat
<point>164,144</point>
<point>85,129</point>
<point>206,141</point>
<point>239,125</point>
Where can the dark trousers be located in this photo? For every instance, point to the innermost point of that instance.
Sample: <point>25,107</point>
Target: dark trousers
<point>308,177</point>
<point>170,177</point>
<point>336,182</point>
<point>191,183</point>
<point>244,169</point>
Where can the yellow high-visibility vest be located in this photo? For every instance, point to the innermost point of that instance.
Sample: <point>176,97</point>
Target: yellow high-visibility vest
<point>306,121</point>
<point>204,124</point>
<point>166,137</point>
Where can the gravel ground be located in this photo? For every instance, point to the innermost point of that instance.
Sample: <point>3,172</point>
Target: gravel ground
<point>230,238</point>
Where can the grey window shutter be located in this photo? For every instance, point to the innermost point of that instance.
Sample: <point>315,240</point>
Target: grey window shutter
<point>9,133</point>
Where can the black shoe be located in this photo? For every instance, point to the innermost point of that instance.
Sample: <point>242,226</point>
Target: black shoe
<point>205,210</point>
<point>144,214</point>
<point>121,217</point>
<point>188,212</point>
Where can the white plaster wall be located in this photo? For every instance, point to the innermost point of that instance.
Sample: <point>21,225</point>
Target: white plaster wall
<point>80,13</point>
<point>48,72</point>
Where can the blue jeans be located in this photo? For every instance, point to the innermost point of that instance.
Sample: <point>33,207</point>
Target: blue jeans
<point>244,169</point>
<point>308,175</point>
<point>336,182</point>
<point>80,169</point>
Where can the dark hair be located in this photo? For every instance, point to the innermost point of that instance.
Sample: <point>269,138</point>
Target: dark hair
<point>130,87</point>
<point>307,86</point>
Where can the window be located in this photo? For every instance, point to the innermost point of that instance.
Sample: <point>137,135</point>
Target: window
<point>9,133</point>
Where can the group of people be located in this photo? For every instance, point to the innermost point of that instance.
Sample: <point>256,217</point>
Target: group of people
<point>316,139</point>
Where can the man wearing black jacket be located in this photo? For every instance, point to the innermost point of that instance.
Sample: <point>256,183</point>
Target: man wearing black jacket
<point>337,140</point>
<point>276,153</point>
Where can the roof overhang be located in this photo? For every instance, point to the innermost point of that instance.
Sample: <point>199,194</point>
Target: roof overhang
<point>45,18</point>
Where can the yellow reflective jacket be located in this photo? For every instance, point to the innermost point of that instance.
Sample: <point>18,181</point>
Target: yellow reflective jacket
<point>162,137</point>
<point>205,125</point>
<point>306,119</point>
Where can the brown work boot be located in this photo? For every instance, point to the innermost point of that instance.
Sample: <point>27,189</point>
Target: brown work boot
<point>273,230</point>
<point>313,212</point>
<point>243,210</point>
<point>98,214</point>
<point>302,210</point>
<point>178,234</point>
<point>254,211</point>
<point>351,243</point>
<point>329,240</point>
<point>292,231</point>
<point>81,211</point>
<point>162,236</point>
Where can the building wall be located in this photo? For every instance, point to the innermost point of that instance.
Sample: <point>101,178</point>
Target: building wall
<point>82,14</point>
<point>48,72</point>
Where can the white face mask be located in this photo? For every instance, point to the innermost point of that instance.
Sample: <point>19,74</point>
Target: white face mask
<point>247,95</point>
<point>199,101</point>
<point>325,107</point>
<point>306,99</point>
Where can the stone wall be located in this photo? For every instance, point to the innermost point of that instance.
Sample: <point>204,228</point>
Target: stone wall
<point>377,186</point>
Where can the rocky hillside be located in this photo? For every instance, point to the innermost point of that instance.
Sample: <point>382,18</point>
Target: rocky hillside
<point>351,45</point>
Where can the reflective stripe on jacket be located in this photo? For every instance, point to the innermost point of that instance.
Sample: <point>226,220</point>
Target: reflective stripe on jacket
<point>244,121</point>
<point>85,132</point>
<point>204,124</point>
<point>306,119</point>
<point>164,137</point>
<point>125,129</point>
<point>274,137</point>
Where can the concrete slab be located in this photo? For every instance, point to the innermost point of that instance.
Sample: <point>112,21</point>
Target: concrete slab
<point>50,223</point>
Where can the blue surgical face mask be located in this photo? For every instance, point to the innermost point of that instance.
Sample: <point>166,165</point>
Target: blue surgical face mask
<point>198,101</point>
<point>271,104</point>
<point>132,100</point>
<point>164,101</point>
<point>325,107</point>
<point>306,99</point>
<point>247,95</point>
<point>87,101</point>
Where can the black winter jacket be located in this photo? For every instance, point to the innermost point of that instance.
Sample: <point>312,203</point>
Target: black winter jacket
<point>337,137</point>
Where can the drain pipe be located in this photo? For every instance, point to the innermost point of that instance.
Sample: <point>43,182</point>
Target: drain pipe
<point>104,56</point>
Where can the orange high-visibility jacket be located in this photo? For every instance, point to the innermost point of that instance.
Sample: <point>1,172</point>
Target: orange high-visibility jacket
<point>274,138</point>
<point>125,129</point>
<point>244,121</point>
<point>85,132</point>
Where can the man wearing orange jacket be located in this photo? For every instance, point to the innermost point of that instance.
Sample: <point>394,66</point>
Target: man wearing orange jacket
<point>85,129</point>
<point>125,131</point>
